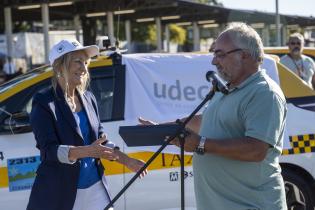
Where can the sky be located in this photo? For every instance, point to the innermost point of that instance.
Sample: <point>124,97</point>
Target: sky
<point>288,7</point>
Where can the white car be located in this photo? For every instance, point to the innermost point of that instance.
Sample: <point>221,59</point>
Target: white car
<point>160,87</point>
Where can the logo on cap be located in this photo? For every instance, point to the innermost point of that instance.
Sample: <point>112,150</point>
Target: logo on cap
<point>60,49</point>
<point>75,44</point>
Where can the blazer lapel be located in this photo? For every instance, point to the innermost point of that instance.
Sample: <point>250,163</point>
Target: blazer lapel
<point>66,111</point>
<point>89,112</point>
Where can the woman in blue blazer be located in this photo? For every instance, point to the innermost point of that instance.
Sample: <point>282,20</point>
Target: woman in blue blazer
<point>70,137</point>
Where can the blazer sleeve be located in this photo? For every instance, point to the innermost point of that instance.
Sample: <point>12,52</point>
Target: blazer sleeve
<point>43,126</point>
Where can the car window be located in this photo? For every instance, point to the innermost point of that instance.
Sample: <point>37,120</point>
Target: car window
<point>27,107</point>
<point>103,89</point>
<point>18,107</point>
<point>108,86</point>
<point>102,86</point>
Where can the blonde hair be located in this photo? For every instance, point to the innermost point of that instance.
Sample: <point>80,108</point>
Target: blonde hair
<point>61,69</point>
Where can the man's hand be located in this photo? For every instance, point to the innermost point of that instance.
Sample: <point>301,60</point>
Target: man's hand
<point>146,122</point>
<point>191,141</point>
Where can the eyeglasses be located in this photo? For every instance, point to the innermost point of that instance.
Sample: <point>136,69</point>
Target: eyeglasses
<point>295,43</point>
<point>220,54</point>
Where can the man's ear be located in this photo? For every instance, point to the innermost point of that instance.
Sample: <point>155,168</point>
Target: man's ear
<point>245,54</point>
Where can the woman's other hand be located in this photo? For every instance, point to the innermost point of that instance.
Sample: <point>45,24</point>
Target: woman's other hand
<point>135,165</point>
<point>131,163</point>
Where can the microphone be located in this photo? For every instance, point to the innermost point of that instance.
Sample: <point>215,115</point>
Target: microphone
<point>217,82</point>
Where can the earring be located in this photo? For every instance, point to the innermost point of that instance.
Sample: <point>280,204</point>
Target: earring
<point>58,74</point>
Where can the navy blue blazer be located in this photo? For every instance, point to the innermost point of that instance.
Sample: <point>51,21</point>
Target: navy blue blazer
<point>53,124</point>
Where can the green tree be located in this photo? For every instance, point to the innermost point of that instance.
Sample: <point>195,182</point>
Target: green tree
<point>210,2</point>
<point>140,32</point>
<point>177,34</point>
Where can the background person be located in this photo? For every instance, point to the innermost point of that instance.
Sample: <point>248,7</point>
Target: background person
<point>70,137</point>
<point>240,135</point>
<point>300,64</point>
<point>9,69</point>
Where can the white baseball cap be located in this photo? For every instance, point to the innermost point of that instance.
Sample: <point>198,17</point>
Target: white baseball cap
<point>66,46</point>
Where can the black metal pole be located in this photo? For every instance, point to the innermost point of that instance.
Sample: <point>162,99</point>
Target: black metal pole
<point>182,172</point>
<point>176,134</point>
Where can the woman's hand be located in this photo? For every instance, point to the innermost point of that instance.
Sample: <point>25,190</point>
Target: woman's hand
<point>135,165</point>
<point>97,150</point>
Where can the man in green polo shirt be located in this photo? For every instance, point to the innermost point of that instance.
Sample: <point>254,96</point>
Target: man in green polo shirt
<point>236,159</point>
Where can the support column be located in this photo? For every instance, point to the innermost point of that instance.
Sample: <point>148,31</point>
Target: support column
<point>110,27</point>
<point>278,29</point>
<point>158,34</point>
<point>196,37</point>
<point>284,35</point>
<point>167,37</point>
<point>88,30</point>
<point>45,19</point>
<point>266,36</point>
<point>77,27</point>
<point>128,34</point>
<point>8,30</point>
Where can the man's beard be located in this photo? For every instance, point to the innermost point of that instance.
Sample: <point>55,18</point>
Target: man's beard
<point>296,51</point>
<point>224,76</point>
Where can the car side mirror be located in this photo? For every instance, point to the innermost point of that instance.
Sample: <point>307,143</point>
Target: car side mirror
<point>18,123</point>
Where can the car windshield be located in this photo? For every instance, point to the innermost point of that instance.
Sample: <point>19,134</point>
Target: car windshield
<point>29,75</point>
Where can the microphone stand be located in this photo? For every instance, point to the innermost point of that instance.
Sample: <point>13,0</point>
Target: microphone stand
<point>181,133</point>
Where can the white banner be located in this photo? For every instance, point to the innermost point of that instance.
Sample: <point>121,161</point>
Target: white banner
<point>165,87</point>
<point>169,86</point>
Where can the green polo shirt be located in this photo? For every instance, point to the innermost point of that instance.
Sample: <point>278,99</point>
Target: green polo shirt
<point>256,108</point>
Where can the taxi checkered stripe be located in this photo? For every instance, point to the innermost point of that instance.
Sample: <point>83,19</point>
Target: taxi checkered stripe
<point>301,144</point>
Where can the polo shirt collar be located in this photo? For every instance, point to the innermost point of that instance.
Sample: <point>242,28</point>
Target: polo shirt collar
<point>250,79</point>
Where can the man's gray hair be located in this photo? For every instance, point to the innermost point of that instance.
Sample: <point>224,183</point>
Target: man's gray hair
<point>298,36</point>
<point>245,37</point>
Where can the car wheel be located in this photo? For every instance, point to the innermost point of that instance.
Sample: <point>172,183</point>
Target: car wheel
<point>298,192</point>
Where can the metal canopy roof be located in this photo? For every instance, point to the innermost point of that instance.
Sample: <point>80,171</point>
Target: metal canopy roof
<point>187,10</point>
